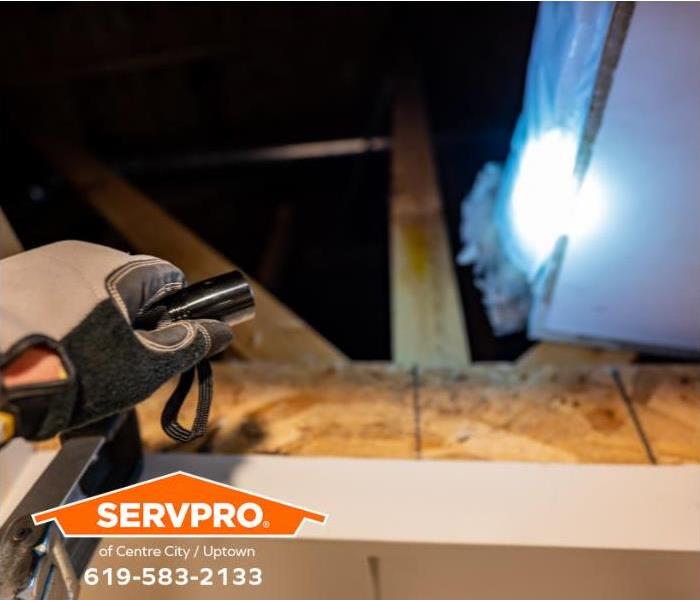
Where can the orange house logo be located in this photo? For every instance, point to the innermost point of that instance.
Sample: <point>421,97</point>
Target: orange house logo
<point>178,505</point>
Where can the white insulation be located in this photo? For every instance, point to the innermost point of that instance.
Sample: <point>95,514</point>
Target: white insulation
<point>566,51</point>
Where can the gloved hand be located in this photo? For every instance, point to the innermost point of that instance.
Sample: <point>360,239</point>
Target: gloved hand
<point>80,300</point>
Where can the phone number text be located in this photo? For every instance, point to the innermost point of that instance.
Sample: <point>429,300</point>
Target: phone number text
<point>166,576</point>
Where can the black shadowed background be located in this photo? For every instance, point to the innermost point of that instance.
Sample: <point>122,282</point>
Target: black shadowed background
<point>160,90</point>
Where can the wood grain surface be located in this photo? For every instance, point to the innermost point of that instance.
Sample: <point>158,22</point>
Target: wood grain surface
<point>667,401</point>
<point>483,412</point>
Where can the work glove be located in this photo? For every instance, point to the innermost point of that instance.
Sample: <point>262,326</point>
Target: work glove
<point>80,300</point>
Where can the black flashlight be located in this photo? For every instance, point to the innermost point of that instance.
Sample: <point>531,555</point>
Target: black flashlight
<point>226,297</point>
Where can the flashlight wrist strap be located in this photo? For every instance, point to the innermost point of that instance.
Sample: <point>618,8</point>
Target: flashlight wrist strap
<point>171,411</point>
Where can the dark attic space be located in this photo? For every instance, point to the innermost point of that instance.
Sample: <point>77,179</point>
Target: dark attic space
<point>173,97</point>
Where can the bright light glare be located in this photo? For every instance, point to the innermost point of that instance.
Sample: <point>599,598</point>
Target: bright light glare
<point>544,204</point>
<point>589,207</point>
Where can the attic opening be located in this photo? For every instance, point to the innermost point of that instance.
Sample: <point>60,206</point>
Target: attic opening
<point>174,97</point>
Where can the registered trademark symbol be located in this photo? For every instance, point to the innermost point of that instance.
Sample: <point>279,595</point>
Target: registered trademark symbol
<point>266,524</point>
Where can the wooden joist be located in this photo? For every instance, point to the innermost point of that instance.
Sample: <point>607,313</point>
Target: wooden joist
<point>489,412</point>
<point>277,334</point>
<point>561,354</point>
<point>427,323</point>
<point>9,242</point>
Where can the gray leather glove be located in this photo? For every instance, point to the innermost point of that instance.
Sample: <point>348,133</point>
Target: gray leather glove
<point>81,299</point>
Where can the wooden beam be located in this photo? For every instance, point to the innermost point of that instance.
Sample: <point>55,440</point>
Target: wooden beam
<point>276,333</point>
<point>428,327</point>
<point>489,412</point>
<point>266,154</point>
<point>9,242</point>
<point>555,353</point>
<point>666,400</point>
<point>566,414</point>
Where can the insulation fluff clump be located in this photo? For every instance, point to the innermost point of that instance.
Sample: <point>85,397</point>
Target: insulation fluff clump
<point>505,291</point>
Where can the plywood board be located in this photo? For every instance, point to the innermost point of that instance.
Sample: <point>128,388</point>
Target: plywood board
<point>560,415</point>
<point>352,410</point>
<point>667,402</point>
<point>487,412</point>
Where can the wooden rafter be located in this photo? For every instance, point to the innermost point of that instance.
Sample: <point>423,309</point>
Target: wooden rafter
<point>277,334</point>
<point>9,242</point>
<point>428,327</point>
